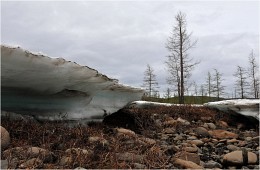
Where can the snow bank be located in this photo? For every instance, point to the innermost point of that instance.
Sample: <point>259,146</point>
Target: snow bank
<point>148,104</point>
<point>53,88</point>
<point>246,107</point>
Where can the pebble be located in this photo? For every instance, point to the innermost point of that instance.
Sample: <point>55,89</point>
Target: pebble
<point>223,134</point>
<point>32,164</point>
<point>183,121</point>
<point>192,138</point>
<point>65,160</point>
<point>178,137</point>
<point>193,157</point>
<point>210,125</point>
<point>212,164</point>
<point>139,166</point>
<point>191,149</point>
<point>4,164</point>
<point>130,157</point>
<point>123,131</point>
<point>78,152</point>
<point>180,163</point>
<point>168,131</point>
<point>223,124</point>
<point>197,142</point>
<point>170,149</point>
<point>28,152</point>
<point>232,147</point>
<point>5,138</point>
<point>148,141</point>
<point>232,141</point>
<point>170,123</point>
<point>201,132</point>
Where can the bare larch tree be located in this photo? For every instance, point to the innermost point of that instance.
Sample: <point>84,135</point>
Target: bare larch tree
<point>167,94</point>
<point>209,84</point>
<point>179,64</point>
<point>253,74</point>
<point>218,88</point>
<point>150,83</point>
<point>241,82</point>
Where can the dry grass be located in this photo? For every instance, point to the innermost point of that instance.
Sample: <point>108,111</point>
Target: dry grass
<point>57,138</point>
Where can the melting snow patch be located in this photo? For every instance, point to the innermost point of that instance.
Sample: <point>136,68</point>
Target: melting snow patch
<point>246,107</point>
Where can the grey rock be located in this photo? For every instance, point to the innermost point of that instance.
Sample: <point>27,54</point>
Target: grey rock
<point>164,137</point>
<point>192,138</point>
<point>183,121</point>
<point>4,164</point>
<point>197,142</point>
<point>191,149</point>
<point>193,157</point>
<point>245,167</point>
<point>184,164</point>
<point>32,163</point>
<point>28,152</point>
<point>171,150</point>
<point>201,132</point>
<point>65,160</point>
<point>178,137</point>
<point>232,147</point>
<point>248,138</point>
<point>80,168</point>
<point>139,166</point>
<point>257,138</point>
<point>5,138</point>
<point>211,125</point>
<point>212,164</point>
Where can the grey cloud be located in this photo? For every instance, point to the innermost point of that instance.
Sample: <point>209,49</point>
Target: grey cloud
<point>120,38</point>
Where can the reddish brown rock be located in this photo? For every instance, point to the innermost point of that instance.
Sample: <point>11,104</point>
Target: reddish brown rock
<point>193,157</point>
<point>223,134</point>
<point>223,124</point>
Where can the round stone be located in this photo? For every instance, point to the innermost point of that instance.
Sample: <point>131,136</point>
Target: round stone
<point>5,138</point>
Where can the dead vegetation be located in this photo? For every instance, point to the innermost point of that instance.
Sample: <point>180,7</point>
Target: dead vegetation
<point>58,138</point>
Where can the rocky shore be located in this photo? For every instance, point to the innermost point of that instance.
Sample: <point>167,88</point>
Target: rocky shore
<point>177,137</point>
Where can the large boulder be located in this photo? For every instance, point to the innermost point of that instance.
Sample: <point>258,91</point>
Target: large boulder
<point>237,158</point>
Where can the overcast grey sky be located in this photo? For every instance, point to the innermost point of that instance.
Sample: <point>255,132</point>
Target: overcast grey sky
<point>120,38</point>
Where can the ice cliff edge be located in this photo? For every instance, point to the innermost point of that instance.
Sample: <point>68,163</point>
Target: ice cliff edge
<point>53,88</point>
<point>246,107</point>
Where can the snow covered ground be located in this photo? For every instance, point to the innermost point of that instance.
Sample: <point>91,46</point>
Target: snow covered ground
<point>247,107</point>
<point>53,88</point>
<point>148,104</point>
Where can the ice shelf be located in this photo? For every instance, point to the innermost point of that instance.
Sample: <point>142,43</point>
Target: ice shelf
<point>246,107</point>
<point>53,88</point>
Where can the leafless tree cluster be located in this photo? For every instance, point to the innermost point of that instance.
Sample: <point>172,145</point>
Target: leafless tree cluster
<point>214,84</point>
<point>253,73</point>
<point>180,65</point>
<point>247,79</point>
<point>150,82</point>
<point>241,82</point>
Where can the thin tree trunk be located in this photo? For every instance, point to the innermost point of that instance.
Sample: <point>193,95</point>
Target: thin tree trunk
<point>181,64</point>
